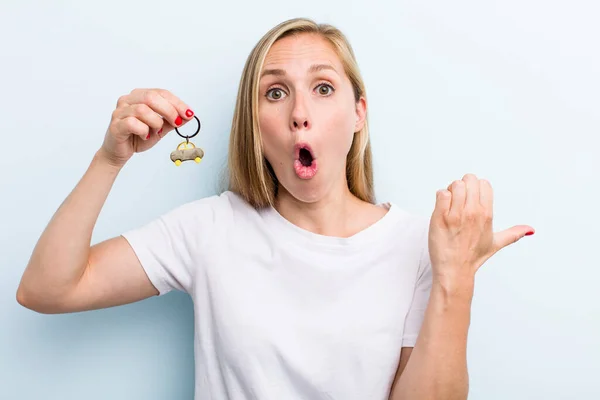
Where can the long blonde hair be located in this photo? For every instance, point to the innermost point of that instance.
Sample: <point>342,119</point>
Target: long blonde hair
<point>250,174</point>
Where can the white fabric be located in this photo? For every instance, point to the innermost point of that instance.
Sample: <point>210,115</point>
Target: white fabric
<point>283,313</point>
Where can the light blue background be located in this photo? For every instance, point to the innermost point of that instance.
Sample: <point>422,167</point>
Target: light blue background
<point>504,89</point>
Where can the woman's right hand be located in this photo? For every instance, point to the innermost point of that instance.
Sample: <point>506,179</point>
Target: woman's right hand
<point>140,120</point>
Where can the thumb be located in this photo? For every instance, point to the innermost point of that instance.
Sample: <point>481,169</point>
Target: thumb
<point>511,235</point>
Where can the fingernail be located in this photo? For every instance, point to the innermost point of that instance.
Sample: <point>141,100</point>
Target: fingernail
<point>529,234</point>
<point>189,113</point>
<point>148,137</point>
<point>159,132</point>
<point>178,121</point>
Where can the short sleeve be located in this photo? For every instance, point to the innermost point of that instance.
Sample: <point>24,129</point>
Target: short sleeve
<point>416,313</point>
<point>168,247</point>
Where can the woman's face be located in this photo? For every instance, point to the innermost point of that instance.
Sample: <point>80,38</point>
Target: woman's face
<point>307,116</point>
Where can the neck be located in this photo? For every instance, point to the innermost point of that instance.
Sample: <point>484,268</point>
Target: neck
<point>329,216</point>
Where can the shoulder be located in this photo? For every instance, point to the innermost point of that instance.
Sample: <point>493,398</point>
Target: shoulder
<point>215,211</point>
<point>411,235</point>
<point>408,223</point>
<point>224,203</point>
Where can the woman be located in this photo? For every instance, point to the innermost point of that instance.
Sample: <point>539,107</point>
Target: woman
<point>303,286</point>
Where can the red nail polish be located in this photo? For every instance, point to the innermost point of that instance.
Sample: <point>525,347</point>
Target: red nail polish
<point>178,121</point>
<point>159,132</point>
<point>529,234</point>
<point>189,113</point>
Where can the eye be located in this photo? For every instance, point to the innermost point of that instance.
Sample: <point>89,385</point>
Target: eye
<point>325,89</point>
<point>277,93</point>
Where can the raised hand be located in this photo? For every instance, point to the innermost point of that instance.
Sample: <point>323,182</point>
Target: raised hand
<point>140,120</point>
<point>461,236</point>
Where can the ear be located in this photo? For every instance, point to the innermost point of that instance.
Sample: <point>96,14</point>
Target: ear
<point>361,114</point>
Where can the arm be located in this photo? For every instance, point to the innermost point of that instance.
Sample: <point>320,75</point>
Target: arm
<point>460,241</point>
<point>64,273</point>
<point>437,367</point>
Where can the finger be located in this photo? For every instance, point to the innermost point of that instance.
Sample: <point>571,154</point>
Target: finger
<point>457,205</point>
<point>511,235</point>
<point>182,108</point>
<point>442,203</point>
<point>143,113</point>
<point>122,101</point>
<point>486,196</point>
<point>472,189</point>
<point>166,128</point>
<point>146,115</point>
<point>133,126</point>
<point>157,103</point>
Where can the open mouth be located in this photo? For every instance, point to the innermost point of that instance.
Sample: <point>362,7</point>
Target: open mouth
<point>305,157</point>
<point>305,164</point>
<point>304,154</point>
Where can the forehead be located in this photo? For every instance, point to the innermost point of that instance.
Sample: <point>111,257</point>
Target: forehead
<point>300,52</point>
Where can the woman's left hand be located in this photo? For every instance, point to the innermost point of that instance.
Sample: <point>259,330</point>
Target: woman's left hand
<point>461,238</point>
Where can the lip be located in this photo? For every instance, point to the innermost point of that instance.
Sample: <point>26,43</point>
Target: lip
<point>305,173</point>
<point>303,145</point>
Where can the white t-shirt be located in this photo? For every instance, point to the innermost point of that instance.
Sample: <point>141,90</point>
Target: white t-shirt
<point>284,313</point>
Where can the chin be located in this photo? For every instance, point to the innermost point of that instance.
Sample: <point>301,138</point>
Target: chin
<point>306,195</point>
<point>305,190</point>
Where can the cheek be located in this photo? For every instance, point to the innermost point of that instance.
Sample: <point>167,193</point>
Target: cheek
<point>341,127</point>
<point>270,131</point>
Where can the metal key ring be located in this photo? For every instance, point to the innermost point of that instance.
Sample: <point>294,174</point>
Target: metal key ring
<point>187,138</point>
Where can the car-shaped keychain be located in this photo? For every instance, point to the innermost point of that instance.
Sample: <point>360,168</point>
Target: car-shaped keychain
<point>187,151</point>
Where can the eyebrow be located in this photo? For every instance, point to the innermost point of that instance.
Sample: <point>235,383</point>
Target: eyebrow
<point>313,68</point>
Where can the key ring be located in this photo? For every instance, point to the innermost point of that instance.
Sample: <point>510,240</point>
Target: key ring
<point>187,151</point>
<point>187,138</point>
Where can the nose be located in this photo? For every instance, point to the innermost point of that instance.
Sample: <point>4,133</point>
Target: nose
<point>299,123</point>
<point>300,115</point>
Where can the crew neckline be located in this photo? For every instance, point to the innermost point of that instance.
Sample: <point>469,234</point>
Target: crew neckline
<point>292,232</point>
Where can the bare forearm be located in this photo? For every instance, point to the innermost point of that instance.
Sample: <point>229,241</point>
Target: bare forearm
<point>437,368</point>
<point>61,253</point>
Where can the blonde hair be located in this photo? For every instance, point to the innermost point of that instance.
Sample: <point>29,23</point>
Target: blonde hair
<point>250,174</point>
